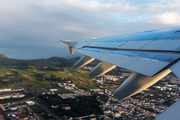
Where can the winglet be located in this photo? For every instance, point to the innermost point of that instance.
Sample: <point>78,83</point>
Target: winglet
<point>70,44</point>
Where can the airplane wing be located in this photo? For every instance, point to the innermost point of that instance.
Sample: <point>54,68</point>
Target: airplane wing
<point>151,55</point>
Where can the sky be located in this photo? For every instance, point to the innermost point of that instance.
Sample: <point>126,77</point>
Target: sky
<point>31,29</point>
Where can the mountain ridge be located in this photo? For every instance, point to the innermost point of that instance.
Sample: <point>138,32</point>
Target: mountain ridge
<point>3,56</point>
<point>52,61</point>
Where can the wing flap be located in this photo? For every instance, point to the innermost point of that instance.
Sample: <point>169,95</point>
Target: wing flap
<point>137,63</point>
<point>100,69</point>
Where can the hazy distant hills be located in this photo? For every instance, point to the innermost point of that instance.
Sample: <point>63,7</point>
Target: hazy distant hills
<point>53,61</point>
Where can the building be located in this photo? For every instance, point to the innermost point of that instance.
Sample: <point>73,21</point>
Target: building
<point>9,89</point>
<point>1,117</point>
<point>50,93</point>
<point>71,85</point>
<point>117,115</point>
<point>18,95</point>
<point>62,84</point>
<point>5,90</point>
<point>66,108</point>
<point>18,89</point>
<point>11,96</point>
<point>92,118</point>
<point>12,107</point>
<point>172,86</point>
<point>53,90</point>
<point>30,102</point>
<point>4,97</point>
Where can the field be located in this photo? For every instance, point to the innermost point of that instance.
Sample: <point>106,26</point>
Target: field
<point>42,74</point>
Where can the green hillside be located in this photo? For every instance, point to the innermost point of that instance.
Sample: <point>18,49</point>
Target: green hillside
<point>41,73</point>
<point>2,56</point>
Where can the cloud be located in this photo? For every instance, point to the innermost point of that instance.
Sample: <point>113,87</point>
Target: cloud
<point>108,7</point>
<point>39,25</point>
<point>151,11</point>
<point>167,18</point>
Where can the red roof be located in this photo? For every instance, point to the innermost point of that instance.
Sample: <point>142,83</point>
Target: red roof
<point>1,117</point>
<point>19,115</point>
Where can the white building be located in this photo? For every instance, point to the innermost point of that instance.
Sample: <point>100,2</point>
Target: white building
<point>30,102</point>
<point>5,90</point>
<point>53,90</point>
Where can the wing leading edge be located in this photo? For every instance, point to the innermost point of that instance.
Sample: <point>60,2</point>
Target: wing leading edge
<point>151,55</point>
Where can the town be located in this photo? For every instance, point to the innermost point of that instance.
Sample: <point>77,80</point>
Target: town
<point>147,104</point>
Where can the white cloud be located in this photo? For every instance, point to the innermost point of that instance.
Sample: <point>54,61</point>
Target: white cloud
<point>167,18</point>
<point>41,24</point>
<point>110,7</point>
